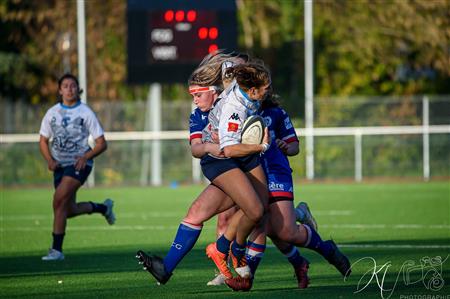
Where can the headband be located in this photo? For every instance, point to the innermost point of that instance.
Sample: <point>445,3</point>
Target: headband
<point>202,89</point>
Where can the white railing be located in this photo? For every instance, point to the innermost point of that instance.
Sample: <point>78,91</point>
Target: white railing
<point>357,132</point>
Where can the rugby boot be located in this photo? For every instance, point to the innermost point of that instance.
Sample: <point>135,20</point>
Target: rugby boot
<point>53,255</point>
<point>219,259</point>
<point>308,218</point>
<point>301,273</point>
<point>339,260</point>
<point>154,265</point>
<point>239,283</point>
<point>217,281</point>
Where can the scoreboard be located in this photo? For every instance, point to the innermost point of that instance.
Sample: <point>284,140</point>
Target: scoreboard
<point>168,38</point>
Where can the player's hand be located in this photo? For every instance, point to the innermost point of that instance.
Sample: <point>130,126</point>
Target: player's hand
<point>81,163</point>
<point>283,146</point>
<point>52,165</point>
<point>215,137</point>
<point>214,149</point>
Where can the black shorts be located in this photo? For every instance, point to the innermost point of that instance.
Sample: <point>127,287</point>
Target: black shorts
<point>60,172</point>
<point>213,167</point>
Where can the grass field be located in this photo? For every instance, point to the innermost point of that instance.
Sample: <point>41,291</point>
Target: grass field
<point>391,223</point>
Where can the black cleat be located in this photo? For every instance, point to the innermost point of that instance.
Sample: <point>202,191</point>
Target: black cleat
<point>154,265</point>
<point>339,260</point>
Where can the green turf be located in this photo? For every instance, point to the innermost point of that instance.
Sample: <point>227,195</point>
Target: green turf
<point>100,259</point>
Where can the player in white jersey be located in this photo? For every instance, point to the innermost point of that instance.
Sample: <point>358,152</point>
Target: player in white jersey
<point>63,143</point>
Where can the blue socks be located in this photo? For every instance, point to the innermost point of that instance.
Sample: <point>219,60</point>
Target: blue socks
<point>255,253</point>
<point>238,250</point>
<point>223,245</point>
<point>293,256</point>
<point>315,243</point>
<point>185,239</point>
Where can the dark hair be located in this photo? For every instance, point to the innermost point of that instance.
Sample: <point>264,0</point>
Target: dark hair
<point>64,77</point>
<point>271,99</point>
<point>251,74</point>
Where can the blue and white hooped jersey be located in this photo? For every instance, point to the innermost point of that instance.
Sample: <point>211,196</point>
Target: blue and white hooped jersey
<point>275,163</point>
<point>69,128</point>
<point>197,122</point>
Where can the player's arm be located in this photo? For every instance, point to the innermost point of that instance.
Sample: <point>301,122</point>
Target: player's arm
<point>242,150</point>
<point>45,151</point>
<point>199,149</point>
<point>289,149</point>
<point>100,146</point>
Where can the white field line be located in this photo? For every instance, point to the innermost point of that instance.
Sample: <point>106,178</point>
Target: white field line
<point>105,227</point>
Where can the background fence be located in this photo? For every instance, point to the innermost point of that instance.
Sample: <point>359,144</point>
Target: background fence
<point>354,138</point>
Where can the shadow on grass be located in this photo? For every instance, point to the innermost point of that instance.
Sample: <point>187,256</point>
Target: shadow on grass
<point>274,278</point>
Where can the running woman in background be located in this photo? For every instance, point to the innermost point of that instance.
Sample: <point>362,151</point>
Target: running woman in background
<point>63,143</point>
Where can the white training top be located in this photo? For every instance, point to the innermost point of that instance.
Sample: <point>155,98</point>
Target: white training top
<point>69,127</point>
<point>228,114</point>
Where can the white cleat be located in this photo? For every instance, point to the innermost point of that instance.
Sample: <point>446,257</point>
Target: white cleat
<point>217,281</point>
<point>109,214</point>
<point>244,272</point>
<point>53,255</point>
<point>308,217</point>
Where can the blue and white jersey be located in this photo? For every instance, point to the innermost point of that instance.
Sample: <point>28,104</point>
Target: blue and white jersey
<point>228,114</point>
<point>197,122</point>
<point>69,128</point>
<point>280,127</point>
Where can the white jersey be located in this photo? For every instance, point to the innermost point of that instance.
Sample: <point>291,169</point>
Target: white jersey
<point>228,114</point>
<point>69,128</point>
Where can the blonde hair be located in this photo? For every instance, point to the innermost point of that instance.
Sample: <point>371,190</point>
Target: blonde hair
<point>209,72</point>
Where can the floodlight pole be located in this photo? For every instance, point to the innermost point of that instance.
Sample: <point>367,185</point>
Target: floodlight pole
<point>309,89</point>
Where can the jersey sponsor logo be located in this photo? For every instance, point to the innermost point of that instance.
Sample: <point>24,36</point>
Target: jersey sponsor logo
<point>287,123</point>
<point>275,186</point>
<point>234,116</point>
<point>233,127</point>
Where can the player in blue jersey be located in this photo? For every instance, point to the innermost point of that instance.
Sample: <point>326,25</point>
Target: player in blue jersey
<point>287,234</point>
<point>64,134</point>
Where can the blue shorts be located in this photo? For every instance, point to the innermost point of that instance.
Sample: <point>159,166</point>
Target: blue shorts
<point>213,167</point>
<point>280,187</point>
<point>60,172</point>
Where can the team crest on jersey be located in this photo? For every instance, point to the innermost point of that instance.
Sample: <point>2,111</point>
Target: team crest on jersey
<point>233,127</point>
<point>235,116</point>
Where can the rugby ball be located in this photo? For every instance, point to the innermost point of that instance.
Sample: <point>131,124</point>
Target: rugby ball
<point>253,130</point>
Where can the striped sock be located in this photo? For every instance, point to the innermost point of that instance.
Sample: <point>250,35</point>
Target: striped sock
<point>293,256</point>
<point>185,239</point>
<point>254,255</point>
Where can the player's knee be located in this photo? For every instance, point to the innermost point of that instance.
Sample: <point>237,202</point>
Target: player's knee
<point>256,213</point>
<point>288,234</point>
<point>58,202</point>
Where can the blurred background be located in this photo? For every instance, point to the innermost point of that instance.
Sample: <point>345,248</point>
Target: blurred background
<point>381,79</point>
